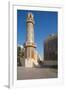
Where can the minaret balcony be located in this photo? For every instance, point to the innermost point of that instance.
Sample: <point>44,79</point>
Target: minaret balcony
<point>30,21</point>
<point>29,44</point>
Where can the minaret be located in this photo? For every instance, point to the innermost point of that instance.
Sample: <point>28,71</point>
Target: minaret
<point>30,28</point>
<point>30,45</point>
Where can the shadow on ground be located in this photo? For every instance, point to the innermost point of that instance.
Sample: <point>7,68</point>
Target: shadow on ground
<point>35,73</point>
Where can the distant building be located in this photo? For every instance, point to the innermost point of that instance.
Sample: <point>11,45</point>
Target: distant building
<point>51,50</point>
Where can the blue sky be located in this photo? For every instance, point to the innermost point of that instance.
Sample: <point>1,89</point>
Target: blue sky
<point>45,24</point>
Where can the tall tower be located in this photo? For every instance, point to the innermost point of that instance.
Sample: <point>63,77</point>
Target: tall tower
<point>30,55</point>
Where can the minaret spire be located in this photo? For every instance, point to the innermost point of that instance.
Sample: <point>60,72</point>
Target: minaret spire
<point>30,28</point>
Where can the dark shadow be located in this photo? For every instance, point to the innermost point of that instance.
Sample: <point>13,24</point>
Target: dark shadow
<point>6,86</point>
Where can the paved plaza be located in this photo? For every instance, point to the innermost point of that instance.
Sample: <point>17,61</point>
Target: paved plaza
<point>35,73</point>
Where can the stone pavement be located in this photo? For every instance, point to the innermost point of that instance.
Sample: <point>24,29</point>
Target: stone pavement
<point>35,73</point>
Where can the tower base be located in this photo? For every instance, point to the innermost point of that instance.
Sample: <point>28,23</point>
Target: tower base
<point>30,62</point>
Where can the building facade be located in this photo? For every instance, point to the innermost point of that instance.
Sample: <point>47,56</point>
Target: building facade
<point>51,50</point>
